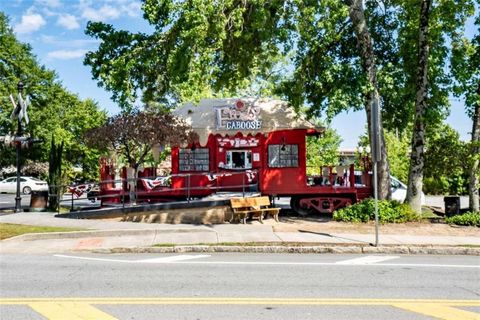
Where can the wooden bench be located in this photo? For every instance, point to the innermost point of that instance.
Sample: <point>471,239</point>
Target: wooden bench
<point>256,207</point>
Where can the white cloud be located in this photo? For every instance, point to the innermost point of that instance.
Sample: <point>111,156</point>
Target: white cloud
<point>31,22</point>
<point>105,12</point>
<point>68,21</point>
<point>133,9</point>
<point>109,10</point>
<point>66,54</point>
<point>49,3</point>
<point>70,43</point>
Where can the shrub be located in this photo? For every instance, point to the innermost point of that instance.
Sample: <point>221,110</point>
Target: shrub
<point>466,219</point>
<point>388,212</point>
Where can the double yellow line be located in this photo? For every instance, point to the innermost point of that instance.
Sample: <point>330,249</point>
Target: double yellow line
<point>82,309</point>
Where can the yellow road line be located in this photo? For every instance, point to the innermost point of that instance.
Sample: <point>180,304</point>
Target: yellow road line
<point>69,310</point>
<point>221,300</point>
<point>82,309</point>
<point>439,311</point>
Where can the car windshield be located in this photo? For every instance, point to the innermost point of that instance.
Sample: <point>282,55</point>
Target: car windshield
<point>35,179</point>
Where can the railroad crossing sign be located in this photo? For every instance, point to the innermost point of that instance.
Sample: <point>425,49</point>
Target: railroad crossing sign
<point>20,109</point>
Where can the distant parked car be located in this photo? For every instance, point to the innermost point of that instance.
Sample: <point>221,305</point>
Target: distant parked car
<point>398,188</point>
<point>27,185</point>
<point>399,191</point>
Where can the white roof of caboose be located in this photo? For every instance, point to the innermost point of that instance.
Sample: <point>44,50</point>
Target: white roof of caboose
<point>271,114</point>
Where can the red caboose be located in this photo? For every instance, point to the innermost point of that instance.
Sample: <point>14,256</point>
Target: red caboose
<point>255,142</point>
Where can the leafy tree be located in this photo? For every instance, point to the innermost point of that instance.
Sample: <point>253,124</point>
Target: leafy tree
<point>445,170</point>
<point>53,109</point>
<point>322,151</point>
<point>55,180</point>
<point>132,135</point>
<point>417,75</point>
<point>367,55</point>
<point>339,55</point>
<point>398,146</point>
<point>398,154</point>
<point>415,175</point>
<point>224,45</point>
<point>466,69</point>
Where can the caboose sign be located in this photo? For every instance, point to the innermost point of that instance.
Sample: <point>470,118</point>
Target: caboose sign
<point>238,116</point>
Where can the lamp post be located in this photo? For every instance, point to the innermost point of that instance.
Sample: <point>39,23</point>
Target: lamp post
<point>18,145</point>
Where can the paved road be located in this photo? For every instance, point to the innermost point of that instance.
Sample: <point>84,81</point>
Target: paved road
<point>8,201</point>
<point>239,286</point>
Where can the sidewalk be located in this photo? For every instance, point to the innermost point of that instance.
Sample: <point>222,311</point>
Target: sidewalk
<point>114,236</point>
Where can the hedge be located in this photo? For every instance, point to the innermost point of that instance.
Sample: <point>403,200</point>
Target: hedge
<point>388,212</point>
<point>466,219</point>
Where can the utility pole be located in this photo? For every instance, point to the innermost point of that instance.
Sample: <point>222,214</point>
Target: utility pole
<point>376,143</point>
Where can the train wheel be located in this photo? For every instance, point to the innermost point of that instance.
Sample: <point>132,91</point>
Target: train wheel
<point>299,207</point>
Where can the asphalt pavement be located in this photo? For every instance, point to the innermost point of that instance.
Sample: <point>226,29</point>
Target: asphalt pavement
<point>238,286</point>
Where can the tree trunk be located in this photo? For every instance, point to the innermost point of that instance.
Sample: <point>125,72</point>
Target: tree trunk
<point>473,184</point>
<point>132,175</point>
<point>357,17</point>
<point>417,156</point>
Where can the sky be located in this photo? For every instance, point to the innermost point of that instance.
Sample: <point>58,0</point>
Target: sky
<point>55,30</point>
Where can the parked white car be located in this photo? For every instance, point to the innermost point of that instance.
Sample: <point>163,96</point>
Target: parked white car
<point>27,185</point>
<point>399,190</point>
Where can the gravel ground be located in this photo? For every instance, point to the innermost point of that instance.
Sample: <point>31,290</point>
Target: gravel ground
<point>325,225</point>
<point>289,222</point>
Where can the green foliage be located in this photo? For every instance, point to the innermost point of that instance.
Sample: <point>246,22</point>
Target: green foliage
<point>398,154</point>
<point>466,219</point>
<point>53,109</point>
<point>398,147</point>
<point>305,50</point>
<point>55,174</point>
<point>447,159</point>
<point>196,47</point>
<point>398,68</point>
<point>388,212</point>
<point>322,151</point>
<point>446,162</point>
<point>436,185</point>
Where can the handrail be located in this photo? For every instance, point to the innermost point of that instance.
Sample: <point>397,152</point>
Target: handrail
<point>85,188</point>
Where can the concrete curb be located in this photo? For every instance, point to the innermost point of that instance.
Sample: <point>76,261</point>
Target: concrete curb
<point>101,233</point>
<point>331,248</point>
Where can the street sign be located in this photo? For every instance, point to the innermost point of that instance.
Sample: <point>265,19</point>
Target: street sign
<point>20,109</point>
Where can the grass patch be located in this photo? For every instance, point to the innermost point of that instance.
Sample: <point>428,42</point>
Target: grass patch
<point>8,230</point>
<point>164,245</point>
<point>242,244</point>
<point>428,214</point>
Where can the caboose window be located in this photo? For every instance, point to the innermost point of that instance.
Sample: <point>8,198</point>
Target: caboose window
<point>193,160</point>
<point>239,159</point>
<point>282,156</point>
